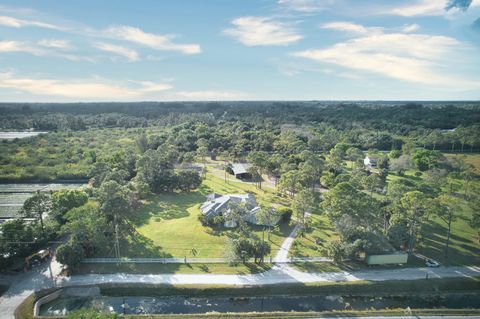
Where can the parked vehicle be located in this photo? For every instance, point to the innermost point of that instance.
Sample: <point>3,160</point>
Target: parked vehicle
<point>432,263</point>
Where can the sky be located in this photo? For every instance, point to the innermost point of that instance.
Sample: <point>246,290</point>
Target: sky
<point>182,50</point>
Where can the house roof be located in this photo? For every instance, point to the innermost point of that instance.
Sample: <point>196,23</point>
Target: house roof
<point>214,205</point>
<point>240,168</point>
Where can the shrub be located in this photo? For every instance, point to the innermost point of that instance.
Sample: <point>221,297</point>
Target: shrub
<point>286,214</point>
<point>70,254</point>
<point>218,220</point>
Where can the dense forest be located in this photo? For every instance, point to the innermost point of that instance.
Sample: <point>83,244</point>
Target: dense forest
<point>236,128</point>
<point>396,117</point>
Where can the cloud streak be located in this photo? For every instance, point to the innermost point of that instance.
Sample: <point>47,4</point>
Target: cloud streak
<point>11,46</point>
<point>431,7</point>
<point>346,27</point>
<point>82,89</point>
<point>21,23</point>
<point>56,44</point>
<point>151,40</point>
<point>130,54</point>
<point>306,6</point>
<point>262,31</point>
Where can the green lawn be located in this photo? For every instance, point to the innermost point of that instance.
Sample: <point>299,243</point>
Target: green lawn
<point>225,269</point>
<point>464,247</point>
<point>305,245</point>
<point>169,227</point>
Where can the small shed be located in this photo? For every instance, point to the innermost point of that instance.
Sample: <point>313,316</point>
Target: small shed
<point>239,170</point>
<point>387,259</point>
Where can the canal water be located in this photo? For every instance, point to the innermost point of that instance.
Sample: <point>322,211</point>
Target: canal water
<point>184,305</point>
<point>14,135</point>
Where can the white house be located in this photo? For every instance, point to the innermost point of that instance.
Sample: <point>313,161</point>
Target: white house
<point>370,161</point>
<point>219,205</point>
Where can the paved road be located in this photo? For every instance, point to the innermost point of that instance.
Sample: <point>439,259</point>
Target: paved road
<point>277,275</point>
<point>23,285</point>
<point>282,254</point>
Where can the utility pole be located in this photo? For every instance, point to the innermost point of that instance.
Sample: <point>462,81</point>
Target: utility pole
<point>117,244</point>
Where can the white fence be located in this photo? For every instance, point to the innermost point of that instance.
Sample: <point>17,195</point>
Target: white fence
<point>186,260</point>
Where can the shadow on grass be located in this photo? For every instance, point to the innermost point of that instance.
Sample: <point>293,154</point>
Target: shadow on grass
<point>461,250</point>
<point>170,205</point>
<point>139,246</point>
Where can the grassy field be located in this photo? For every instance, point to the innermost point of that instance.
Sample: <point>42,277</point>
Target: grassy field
<point>306,246</point>
<point>169,227</point>
<point>473,159</point>
<point>225,269</point>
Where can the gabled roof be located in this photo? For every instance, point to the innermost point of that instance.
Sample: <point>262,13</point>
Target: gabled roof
<point>240,168</point>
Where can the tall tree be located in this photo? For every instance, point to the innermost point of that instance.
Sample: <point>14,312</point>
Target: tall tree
<point>37,206</point>
<point>447,207</point>
<point>65,200</point>
<point>301,205</point>
<point>414,207</point>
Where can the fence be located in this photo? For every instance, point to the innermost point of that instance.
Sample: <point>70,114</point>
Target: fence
<point>186,260</point>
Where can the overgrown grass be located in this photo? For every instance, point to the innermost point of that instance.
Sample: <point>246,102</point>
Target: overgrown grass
<point>358,288</point>
<point>473,159</point>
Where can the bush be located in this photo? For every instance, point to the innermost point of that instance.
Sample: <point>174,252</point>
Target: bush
<point>394,154</point>
<point>204,220</point>
<point>70,254</point>
<point>218,220</point>
<point>286,214</point>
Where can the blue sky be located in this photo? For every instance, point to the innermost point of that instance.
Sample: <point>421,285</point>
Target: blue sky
<point>144,50</point>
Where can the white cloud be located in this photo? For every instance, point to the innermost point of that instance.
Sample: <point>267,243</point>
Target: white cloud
<point>125,52</point>
<point>306,6</point>
<point>82,89</point>
<point>411,28</point>
<point>425,8</point>
<point>148,86</point>
<point>56,44</point>
<point>417,58</point>
<point>209,95</point>
<point>19,46</point>
<point>20,23</point>
<point>31,48</point>
<point>345,26</point>
<point>256,31</point>
<point>154,41</point>
<point>420,8</point>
